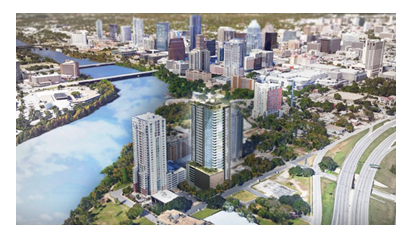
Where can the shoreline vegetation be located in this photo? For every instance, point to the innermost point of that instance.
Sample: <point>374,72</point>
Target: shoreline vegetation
<point>108,93</point>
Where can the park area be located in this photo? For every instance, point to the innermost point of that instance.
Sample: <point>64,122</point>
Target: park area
<point>112,214</point>
<point>381,211</point>
<point>341,150</point>
<point>244,196</point>
<point>205,213</point>
<point>328,190</point>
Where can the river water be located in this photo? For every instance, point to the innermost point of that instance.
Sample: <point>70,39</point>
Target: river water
<point>55,170</point>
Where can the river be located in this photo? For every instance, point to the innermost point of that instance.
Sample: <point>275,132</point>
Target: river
<point>55,170</point>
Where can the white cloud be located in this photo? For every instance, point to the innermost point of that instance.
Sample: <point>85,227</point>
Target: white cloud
<point>60,215</point>
<point>46,217</point>
<point>36,197</point>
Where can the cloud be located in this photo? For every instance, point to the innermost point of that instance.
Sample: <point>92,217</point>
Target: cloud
<point>46,217</point>
<point>60,215</point>
<point>36,197</point>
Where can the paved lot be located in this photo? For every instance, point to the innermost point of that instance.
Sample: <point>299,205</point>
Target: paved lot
<point>275,189</point>
<point>124,200</point>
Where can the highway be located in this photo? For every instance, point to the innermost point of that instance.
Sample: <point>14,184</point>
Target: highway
<point>362,192</point>
<point>345,181</point>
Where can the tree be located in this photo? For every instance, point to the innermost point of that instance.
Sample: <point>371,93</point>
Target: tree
<point>328,163</point>
<point>135,211</point>
<point>226,87</point>
<point>393,169</point>
<point>349,127</point>
<point>216,202</point>
<point>337,96</point>
<point>340,107</point>
<point>76,94</point>
<point>127,190</point>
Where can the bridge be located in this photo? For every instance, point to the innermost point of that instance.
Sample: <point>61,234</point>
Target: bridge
<point>96,65</point>
<point>119,77</point>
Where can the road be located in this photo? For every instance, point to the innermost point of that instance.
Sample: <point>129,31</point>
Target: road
<point>362,192</point>
<point>124,200</point>
<point>345,181</point>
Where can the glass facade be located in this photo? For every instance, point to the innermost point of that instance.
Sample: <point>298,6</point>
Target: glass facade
<point>162,36</point>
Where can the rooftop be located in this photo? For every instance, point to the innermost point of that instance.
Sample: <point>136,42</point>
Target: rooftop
<point>228,218</point>
<point>164,196</point>
<point>174,217</point>
<point>149,116</point>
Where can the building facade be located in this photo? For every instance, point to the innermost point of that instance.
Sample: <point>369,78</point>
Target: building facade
<point>99,29</point>
<point>162,35</point>
<point>373,56</point>
<point>234,54</point>
<point>253,37</point>
<point>271,38</point>
<point>125,34</point>
<point>149,151</point>
<point>177,50</point>
<point>236,134</point>
<point>267,99</point>
<point>149,43</point>
<point>242,82</point>
<point>70,67</point>
<point>113,29</point>
<point>195,28</point>
<point>138,32</point>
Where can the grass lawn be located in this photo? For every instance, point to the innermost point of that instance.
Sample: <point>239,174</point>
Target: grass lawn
<point>299,221</point>
<point>110,214</point>
<point>341,150</point>
<point>205,213</point>
<point>381,211</point>
<point>244,196</point>
<point>328,190</point>
<point>384,175</point>
<point>122,186</point>
<point>372,146</point>
<point>113,214</point>
<point>263,221</point>
<point>376,126</point>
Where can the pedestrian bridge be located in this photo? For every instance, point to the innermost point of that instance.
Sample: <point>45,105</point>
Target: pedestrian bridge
<point>119,77</point>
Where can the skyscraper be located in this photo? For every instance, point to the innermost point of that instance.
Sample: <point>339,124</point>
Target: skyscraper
<point>271,38</point>
<point>149,151</point>
<point>253,37</point>
<point>138,32</point>
<point>99,28</point>
<point>210,144</point>
<point>211,46</point>
<point>330,45</point>
<point>267,99</point>
<point>268,28</point>
<point>234,54</point>
<point>125,34</point>
<point>176,49</point>
<point>162,35</point>
<point>195,28</point>
<point>225,34</point>
<point>199,58</point>
<point>373,56</point>
<point>236,134</point>
<point>113,29</point>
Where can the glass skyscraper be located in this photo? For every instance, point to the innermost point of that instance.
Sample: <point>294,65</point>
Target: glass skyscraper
<point>125,34</point>
<point>253,37</point>
<point>195,28</point>
<point>113,29</point>
<point>99,28</point>
<point>162,35</point>
<point>138,32</point>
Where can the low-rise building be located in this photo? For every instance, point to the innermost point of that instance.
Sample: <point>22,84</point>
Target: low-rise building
<point>193,75</point>
<point>331,129</point>
<point>45,80</point>
<point>174,217</point>
<point>174,175</point>
<point>163,196</point>
<point>177,67</point>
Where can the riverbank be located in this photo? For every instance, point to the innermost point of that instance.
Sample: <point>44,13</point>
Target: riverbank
<point>108,93</point>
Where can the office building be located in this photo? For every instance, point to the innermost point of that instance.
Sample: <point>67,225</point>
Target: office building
<point>211,46</point>
<point>225,34</point>
<point>220,51</point>
<point>45,80</point>
<point>162,35</point>
<point>330,45</point>
<point>210,145</point>
<point>267,99</point>
<point>174,217</point>
<point>177,50</point>
<point>125,34</point>
<point>174,175</point>
<point>248,63</point>
<point>271,39</point>
<point>315,46</point>
<point>178,67</point>
<point>177,146</point>
<point>253,37</point>
<point>199,58</point>
<point>79,39</point>
<point>138,32</point>
<point>149,43</point>
<point>236,134</point>
<point>313,37</point>
<point>289,35</point>
<point>268,28</point>
<point>234,54</point>
<point>267,59</point>
<point>373,56</point>
<point>195,28</point>
<point>99,29</point>
<point>293,44</point>
<point>192,75</point>
<point>149,151</point>
<point>70,67</point>
<point>113,29</point>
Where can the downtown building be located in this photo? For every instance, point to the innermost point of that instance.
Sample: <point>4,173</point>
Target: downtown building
<point>373,56</point>
<point>253,37</point>
<point>267,99</point>
<point>125,34</point>
<point>270,41</point>
<point>236,134</point>
<point>177,49</point>
<point>138,32</point>
<point>113,30</point>
<point>149,43</point>
<point>330,45</point>
<point>234,54</point>
<point>149,151</point>
<point>199,61</point>
<point>225,34</point>
<point>210,161</point>
<point>195,29</point>
<point>99,29</point>
<point>70,67</point>
<point>270,29</point>
<point>162,35</point>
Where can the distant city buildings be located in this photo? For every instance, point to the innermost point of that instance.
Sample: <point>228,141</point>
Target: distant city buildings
<point>267,99</point>
<point>253,37</point>
<point>125,34</point>
<point>210,145</point>
<point>330,45</point>
<point>162,35</point>
<point>149,43</point>
<point>70,67</point>
<point>149,151</point>
<point>138,32</point>
<point>176,49</point>
<point>79,39</point>
<point>99,29</point>
<point>225,34</point>
<point>270,41</point>
<point>234,54</point>
<point>199,58</point>
<point>195,28</point>
<point>113,30</point>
